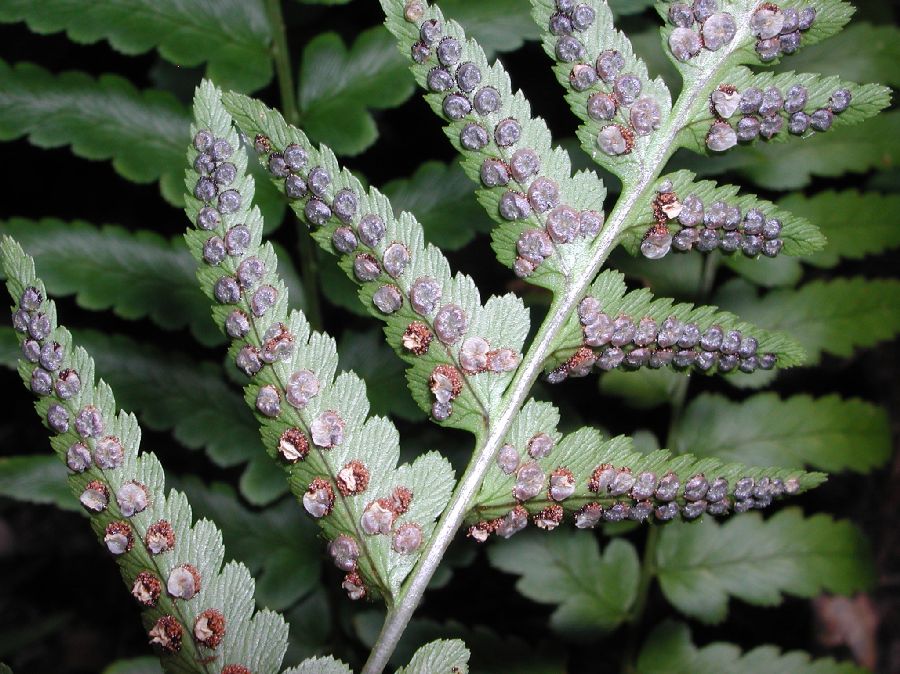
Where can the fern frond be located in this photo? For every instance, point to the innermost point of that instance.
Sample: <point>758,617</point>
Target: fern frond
<point>198,613</point>
<point>435,322</point>
<point>629,330</point>
<point>547,216</point>
<point>607,85</point>
<point>342,466</point>
<point>541,474</point>
<point>683,214</point>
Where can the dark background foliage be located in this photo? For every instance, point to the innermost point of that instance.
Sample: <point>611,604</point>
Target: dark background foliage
<point>62,608</point>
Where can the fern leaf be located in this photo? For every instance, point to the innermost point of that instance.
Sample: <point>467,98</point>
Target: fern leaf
<point>746,107</point>
<point>828,433</point>
<point>594,592</point>
<point>341,465</point>
<point>835,316</point>
<point>861,52</point>
<point>325,665</point>
<point>701,566</point>
<point>542,474</point>
<point>196,608</point>
<point>440,196</point>
<point>36,479</point>
<point>610,321</point>
<point>462,353</point>
<point>137,274</point>
<point>854,223</point>
<point>684,215</point>
<point>439,657</point>
<point>669,650</point>
<point>607,86</point>
<point>142,132</point>
<point>547,216</point>
<point>338,87</point>
<point>875,145</point>
<point>232,36</point>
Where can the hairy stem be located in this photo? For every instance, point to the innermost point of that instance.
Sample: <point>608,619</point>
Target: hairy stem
<point>309,265</point>
<point>532,363</point>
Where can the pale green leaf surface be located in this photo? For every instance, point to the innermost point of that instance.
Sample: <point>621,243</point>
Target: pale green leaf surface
<point>582,191</point>
<point>232,36</point>
<point>874,145</point>
<point>439,657</point>
<point>593,592</point>
<point>278,544</point>
<point>491,652</point>
<point>440,196</point>
<point>338,87</point>
<point>320,665</point>
<point>610,291</point>
<point>835,316</point>
<point>701,565</point>
<point>856,224</point>
<point>867,101</point>
<point>826,433</point>
<point>599,37</point>
<point>669,650</point>
<point>584,450</point>
<point>257,640</point>
<point>373,441</point>
<point>800,236</point>
<point>501,321</point>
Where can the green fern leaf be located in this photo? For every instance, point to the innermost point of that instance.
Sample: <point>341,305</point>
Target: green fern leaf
<point>701,566</point>
<point>439,657</point>
<point>541,474</point>
<point>123,492</point>
<point>232,36</point>
<point>607,133</point>
<point>338,87</point>
<point>503,148</point>
<point>827,433</point>
<point>835,316</point>
<point>401,266</point>
<point>341,465</point>
<point>666,209</point>
<point>608,315</point>
<point>594,592</point>
<point>668,650</point>
<point>142,132</point>
<point>875,145</point>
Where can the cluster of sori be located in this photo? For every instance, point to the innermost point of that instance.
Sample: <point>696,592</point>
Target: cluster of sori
<point>620,341</point>
<point>626,495</point>
<point>618,94</point>
<point>763,113</point>
<point>379,261</point>
<point>705,228</point>
<point>212,188</point>
<point>702,26</point>
<point>513,170</point>
<point>94,451</point>
<point>299,432</point>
